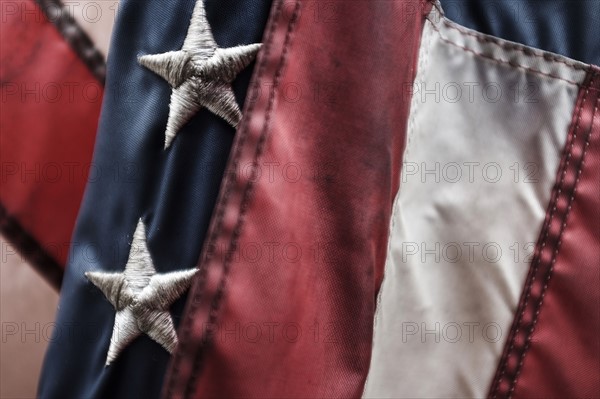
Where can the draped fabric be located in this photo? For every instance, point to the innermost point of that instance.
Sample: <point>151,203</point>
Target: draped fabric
<point>407,208</point>
<point>174,192</point>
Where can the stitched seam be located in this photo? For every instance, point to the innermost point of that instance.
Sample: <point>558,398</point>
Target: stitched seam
<point>230,181</point>
<point>566,155</point>
<point>505,45</point>
<point>510,63</point>
<point>30,249</point>
<point>559,188</point>
<point>513,47</point>
<point>558,245</point>
<point>553,259</point>
<point>421,66</point>
<point>216,302</point>
<point>555,253</point>
<point>185,328</point>
<point>79,41</point>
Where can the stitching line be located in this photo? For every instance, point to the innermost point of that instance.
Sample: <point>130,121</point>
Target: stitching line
<point>422,64</point>
<point>547,232</point>
<point>570,137</point>
<point>514,47</point>
<point>30,249</point>
<point>507,45</point>
<point>531,277</point>
<point>533,273</point>
<point>559,242</point>
<point>79,41</point>
<point>510,63</point>
<point>216,302</point>
<point>185,328</point>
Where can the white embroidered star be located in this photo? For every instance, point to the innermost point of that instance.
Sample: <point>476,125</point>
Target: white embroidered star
<point>200,74</point>
<point>141,298</point>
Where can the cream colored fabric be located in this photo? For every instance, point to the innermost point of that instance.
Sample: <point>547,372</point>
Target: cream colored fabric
<point>96,18</point>
<point>488,122</point>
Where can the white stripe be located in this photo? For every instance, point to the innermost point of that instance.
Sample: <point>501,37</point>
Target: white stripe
<point>461,232</point>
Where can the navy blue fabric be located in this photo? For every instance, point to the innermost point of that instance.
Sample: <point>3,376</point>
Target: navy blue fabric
<point>567,27</point>
<point>174,191</point>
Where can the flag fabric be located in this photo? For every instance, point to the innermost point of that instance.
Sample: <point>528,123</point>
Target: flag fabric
<point>173,192</point>
<point>482,220</point>
<point>51,98</point>
<point>396,199</point>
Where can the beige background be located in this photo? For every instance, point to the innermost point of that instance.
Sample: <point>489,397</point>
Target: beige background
<point>27,309</point>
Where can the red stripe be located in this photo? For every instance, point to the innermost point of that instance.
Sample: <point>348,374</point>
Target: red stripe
<point>50,108</point>
<point>553,348</point>
<point>285,303</point>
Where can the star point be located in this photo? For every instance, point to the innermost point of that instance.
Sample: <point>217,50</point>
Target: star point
<point>200,75</point>
<point>172,66</point>
<point>141,297</point>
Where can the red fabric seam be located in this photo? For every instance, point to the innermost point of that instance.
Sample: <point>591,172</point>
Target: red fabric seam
<point>539,269</point>
<point>186,328</point>
<point>78,39</point>
<point>216,300</point>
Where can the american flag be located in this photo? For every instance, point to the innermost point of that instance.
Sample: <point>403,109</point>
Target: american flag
<point>306,198</point>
